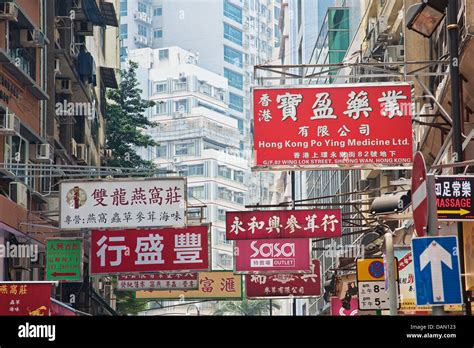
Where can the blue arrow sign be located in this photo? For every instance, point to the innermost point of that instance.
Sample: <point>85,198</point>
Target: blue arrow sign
<point>437,273</point>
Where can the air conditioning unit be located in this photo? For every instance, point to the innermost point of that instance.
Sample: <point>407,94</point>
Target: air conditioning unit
<point>182,77</point>
<point>44,152</point>
<point>10,124</point>
<point>63,86</point>
<point>394,53</point>
<point>21,263</point>
<point>57,66</point>
<point>84,28</point>
<point>73,148</point>
<point>19,194</point>
<point>82,155</point>
<point>32,38</point>
<point>41,262</point>
<point>9,11</point>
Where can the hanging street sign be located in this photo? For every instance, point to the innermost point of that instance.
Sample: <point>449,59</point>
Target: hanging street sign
<point>419,195</point>
<point>273,256</point>
<point>437,272</point>
<point>122,203</point>
<point>64,259</point>
<point>150,250</point>
<point>373,292</point>
<point>307,223</point>
<point>161,281</point>
<point>25,298</point>
<point>215,285</point>
<point>277,285</point>
<point>454,197</point>
<point>333,126</point>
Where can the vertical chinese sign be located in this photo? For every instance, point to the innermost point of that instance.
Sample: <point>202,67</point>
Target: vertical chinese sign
<point>123,203</point>
<point>283,224</point>
<point>32,299</point>
<point>364,125</point>
<point>151,250</point>
<point>64,259</point>
<point>215,285</point>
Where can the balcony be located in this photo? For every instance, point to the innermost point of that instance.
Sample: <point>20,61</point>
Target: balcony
<point>142,17</point>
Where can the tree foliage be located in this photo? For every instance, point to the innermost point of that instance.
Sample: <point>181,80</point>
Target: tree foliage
<point>246,307</point>
<point>125,120</point>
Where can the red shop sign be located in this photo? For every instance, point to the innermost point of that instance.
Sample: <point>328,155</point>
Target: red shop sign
<point>333,126</point>
<point>151,250</point>
<point>273,255</point>
<point>25,299</point>
<point>275,285</point>
<point>283,224</point>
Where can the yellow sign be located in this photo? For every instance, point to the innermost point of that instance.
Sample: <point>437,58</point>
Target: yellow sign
<point>372,269</point>
<point>212,285</point>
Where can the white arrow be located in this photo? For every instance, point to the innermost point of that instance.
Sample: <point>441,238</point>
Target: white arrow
<point>436,254</point>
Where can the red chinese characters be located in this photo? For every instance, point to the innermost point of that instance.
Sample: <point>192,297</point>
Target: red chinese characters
<point>152,250</point>
<point>25,299</point>
<point>273,255</point>
<point>263,285</point>
<point>283,224</point>
<point>368,125</point>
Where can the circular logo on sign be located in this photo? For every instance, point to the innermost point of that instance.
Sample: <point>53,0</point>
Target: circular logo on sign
<point>76,197</point>
<point>376,269</point>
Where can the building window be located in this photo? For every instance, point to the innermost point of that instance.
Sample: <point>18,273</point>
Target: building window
<point>233,56</point>
<point>123,53</point>
<point>142,7</point>
<point>158,33</point>
<point>236,80</point>
<point>161,151</point>
<point>185,149</point>
<point>224,193</point>
<point>232,34</point>
<point>196,192</point>
<point>232,12</point>
<point>161,108</point>
<point>240,125</point>
<point>239,197</point>
<point>236,102</point>
<point>123,8</point>
<point>225,261</point>
<point>123,31</point>
<point>181,105</point>
<point>193,170</point>
<point>161,87</point>
<point>164,54</point>
<point>180,85</point>
<point>142,30</point>
<point>239,176</point>
<point>223,240</point>
<point>224,172</point>
<point>221,214</point>
<point>158,11</point>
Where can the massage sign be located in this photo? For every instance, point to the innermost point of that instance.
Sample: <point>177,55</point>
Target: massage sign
<point>363,125</point>
<point>454,198</point>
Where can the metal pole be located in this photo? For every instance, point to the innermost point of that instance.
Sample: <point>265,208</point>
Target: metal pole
<point>453,33</point>
<point>293,199</point>
<point>271,308</point>
<point>432,223</point>
<point>390,273</point>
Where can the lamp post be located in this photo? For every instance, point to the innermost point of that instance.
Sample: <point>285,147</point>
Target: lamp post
<point>424,18</point>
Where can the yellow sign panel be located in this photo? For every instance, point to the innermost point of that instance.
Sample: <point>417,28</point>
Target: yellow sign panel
<point>372,269</point>
<point>212,285</point>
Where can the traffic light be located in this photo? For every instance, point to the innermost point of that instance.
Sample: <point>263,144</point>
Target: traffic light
<point>329,288</point>
<point>391,202</point>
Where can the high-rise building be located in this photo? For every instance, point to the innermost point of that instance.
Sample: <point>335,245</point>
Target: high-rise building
<point>196,138</point>
<point>234,37</point>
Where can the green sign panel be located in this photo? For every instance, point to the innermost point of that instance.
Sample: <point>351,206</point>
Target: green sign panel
<point>64,259</point>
